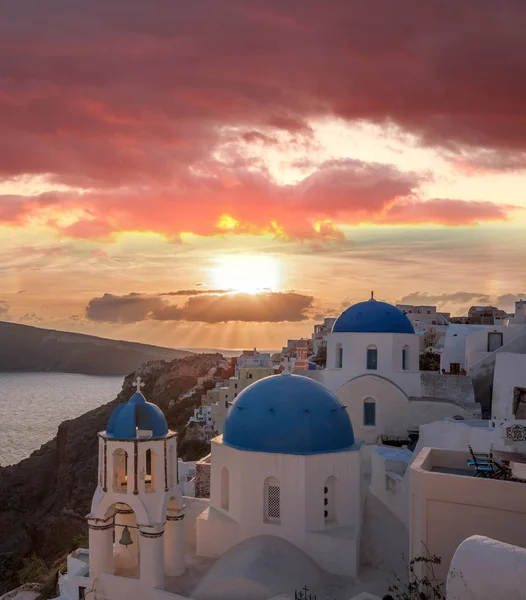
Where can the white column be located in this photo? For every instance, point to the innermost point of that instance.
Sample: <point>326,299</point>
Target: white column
<point>152,557</point>
<point>174,563</point>
<point>128,556</point>
<point>100,548</point>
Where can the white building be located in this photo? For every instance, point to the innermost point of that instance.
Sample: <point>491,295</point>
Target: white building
<point>251,359</point>
<point>202,415</point>
<point>285,435</point>
<point>424,316</point>
<point>373,367</point>
<point>319,336</point>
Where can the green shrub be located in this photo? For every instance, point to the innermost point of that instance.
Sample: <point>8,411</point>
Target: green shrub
<point>33,570</point>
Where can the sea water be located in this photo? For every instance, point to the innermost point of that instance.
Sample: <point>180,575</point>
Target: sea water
<point>32,406</point>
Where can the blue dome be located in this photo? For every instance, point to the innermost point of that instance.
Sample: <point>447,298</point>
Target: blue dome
<point>288,414</point>
<point>373,317</point>
<point>136,414</point>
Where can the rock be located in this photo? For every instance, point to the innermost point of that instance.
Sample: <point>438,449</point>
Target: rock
<point>44,497</point>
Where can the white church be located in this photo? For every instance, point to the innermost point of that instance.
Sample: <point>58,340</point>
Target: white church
<point>287,484</point>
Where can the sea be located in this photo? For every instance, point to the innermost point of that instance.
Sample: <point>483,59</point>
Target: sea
<point>32,406</point>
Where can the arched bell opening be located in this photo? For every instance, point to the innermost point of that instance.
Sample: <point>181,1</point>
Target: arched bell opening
<point>126,553</point>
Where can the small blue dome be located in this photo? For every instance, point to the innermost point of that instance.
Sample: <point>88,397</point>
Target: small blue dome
<point>372,317</point>
<point>136,414</point>
<point>288,414</point>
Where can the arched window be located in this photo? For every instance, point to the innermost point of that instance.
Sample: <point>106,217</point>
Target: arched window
<point>329,511</point>
<point>369,412</point>
<point>405,358</point>
<point>339,356</point>
<point>372,358</point>
<point>272,500</point>
<point>120,471</point>
<point>225,489</point>
<point>150,476</point>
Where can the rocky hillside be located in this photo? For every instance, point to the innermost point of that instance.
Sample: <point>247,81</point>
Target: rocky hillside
<point>44,499</point>
<point>26,348</point>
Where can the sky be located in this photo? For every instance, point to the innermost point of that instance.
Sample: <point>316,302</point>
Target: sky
<point>225,174</point>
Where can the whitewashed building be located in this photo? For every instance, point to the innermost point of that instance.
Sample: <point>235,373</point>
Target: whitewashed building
<point>283,436</point>
<point>373,367</point>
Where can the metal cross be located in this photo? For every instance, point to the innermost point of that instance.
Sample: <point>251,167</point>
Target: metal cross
<point>138,383</point>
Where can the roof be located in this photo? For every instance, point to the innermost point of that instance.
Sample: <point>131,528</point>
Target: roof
<point>373,316</point>
<point>136,415</point>
<point>288,414</point>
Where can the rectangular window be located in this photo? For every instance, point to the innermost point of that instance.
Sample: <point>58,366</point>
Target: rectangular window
<point>404,359</point>
<point>340,358</point>
<point>369,413</point>
<point>494,341</point>
<point>273,512</point>
<point>372,358</point>
<point>454,368</point>
<point>519,403</point>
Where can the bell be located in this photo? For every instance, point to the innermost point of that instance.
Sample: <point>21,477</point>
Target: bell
<point>125,537</point>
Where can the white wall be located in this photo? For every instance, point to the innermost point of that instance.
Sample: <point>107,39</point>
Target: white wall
<point>477,342</point>
<point>510,372</point>
<point>395,413</point>
<point>486,569</point>
<point>389,346</point>
<point>454,350</point>
<point>448,508</point>
<point>302,480</point>
<point>394,463</point>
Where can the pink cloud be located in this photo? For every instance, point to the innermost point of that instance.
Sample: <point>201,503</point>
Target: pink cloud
<point>112,98</point>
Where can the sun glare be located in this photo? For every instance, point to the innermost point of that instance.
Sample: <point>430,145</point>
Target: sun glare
<point>246,273</point>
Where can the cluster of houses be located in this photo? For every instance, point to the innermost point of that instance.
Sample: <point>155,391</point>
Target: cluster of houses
<point>325,477</point>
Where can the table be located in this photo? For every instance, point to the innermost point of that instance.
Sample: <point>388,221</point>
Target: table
<point>516,461</point>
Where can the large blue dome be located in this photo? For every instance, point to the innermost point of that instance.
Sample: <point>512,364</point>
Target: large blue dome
<point>373,317</point>
<point>136,414</point>
<point>288,414</point>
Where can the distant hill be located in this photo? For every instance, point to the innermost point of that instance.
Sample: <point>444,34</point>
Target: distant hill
<point>226,353</point>
<point>26,348</point>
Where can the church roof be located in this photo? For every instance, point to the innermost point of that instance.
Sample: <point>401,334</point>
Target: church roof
<point>136,414</point>
<point>288,414</point>
<point>373,316</point>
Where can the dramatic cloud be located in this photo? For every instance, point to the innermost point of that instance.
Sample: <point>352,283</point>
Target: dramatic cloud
<point>211,308</point>
<point>133,102</point>
<point>122,309</point>
<point>340,192</point>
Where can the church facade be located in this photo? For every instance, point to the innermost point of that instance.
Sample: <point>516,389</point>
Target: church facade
<point>373,368</point>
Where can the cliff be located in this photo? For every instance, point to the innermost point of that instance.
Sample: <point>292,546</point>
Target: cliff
<point>45,498</point>
<point>26,348</point>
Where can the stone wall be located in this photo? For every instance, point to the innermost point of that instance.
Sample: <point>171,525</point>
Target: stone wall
<point>202,477</point>
<point>458,388</point>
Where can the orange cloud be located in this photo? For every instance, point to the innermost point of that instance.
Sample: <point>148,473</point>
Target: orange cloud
<point>344,192</point>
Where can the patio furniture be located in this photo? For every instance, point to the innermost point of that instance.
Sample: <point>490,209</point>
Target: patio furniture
<point>483,467</point>
<point>514,463</point>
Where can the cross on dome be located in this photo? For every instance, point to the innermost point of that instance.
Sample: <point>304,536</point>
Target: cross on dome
<point>138,383</point>
<point>372,295</point>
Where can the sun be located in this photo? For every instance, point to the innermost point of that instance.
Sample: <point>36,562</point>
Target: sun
<point>246,273</point>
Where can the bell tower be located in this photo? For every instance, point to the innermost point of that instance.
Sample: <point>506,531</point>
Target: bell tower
<point>137,512</point>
